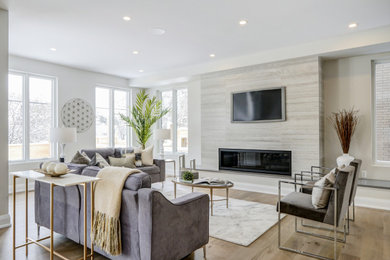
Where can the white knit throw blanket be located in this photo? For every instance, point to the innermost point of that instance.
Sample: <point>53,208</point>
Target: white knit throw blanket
<point>106,231</point>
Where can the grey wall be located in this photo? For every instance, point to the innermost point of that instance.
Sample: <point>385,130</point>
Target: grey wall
<point>301,133</point>
<point>4,217</point>
<point>347,84</point>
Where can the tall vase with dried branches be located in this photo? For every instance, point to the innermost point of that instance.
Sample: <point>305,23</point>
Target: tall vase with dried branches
<point>345,122</point>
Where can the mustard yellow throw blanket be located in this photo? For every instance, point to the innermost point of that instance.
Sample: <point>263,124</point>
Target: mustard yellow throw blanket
<point>106,231</point>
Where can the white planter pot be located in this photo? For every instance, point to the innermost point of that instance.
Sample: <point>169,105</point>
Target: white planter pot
<point>344,159</point>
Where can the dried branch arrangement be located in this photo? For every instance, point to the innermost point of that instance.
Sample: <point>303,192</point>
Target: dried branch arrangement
<point>345,122</point>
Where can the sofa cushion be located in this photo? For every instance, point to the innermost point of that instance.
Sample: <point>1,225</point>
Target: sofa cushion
<point>134,182</point>
<point>155,177</point>
<point>78,168</point>
<point>152,169</point>
<point>105,152</point>
<point>137,181</point>
<point>299,204</point>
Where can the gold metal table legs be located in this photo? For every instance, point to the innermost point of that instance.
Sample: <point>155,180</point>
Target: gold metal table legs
<point>29,241</point>
<point>13,217</point>
<point>26,223</point>
<point>51,220</point>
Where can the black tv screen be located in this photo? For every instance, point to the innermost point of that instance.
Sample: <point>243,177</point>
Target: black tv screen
<point>260,105</point>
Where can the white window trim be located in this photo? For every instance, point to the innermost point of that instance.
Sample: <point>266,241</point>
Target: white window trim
<point>26,119</point>
<point>375,162</point>
<point>111,126</point>
<point>174,151</point>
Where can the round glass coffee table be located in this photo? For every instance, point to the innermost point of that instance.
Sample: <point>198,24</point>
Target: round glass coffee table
<point>211,187</point>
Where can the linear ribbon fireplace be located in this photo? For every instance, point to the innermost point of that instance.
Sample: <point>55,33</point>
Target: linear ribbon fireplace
<point>264,161</point>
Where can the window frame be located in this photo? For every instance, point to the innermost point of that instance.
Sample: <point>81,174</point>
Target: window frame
<point>376,162</point>
<point>174,119</point>
<point>26,111</point>
<point>111,113</point>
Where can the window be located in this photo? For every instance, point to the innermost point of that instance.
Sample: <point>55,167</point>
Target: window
<point>166,121</point>
<point>176,120</point>
<point>382,111</point>
<point>111,130</point>
<point>182,120</point>
<point>31,114</point>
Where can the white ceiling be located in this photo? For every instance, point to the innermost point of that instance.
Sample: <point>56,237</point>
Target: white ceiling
<point>91,34</point>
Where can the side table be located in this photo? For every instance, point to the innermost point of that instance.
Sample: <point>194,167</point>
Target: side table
<point>174,165</point>
<point>63,181</point>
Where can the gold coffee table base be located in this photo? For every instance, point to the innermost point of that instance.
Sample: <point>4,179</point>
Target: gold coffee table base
<point>206,186</point>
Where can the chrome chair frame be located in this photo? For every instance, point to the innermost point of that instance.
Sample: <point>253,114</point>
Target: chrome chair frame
<point>334,238</point>
<point>302,174</point>
<point>353,202</point>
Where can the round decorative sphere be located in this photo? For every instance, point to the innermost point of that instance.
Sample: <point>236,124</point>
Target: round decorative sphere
<point>44,165</point>
<point>50,168</point>
<point>61,168</point>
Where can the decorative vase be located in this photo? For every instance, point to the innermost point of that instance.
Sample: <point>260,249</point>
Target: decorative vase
<point>344,159</point>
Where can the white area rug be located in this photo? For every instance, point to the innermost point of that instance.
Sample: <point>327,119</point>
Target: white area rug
<point>242,223</point>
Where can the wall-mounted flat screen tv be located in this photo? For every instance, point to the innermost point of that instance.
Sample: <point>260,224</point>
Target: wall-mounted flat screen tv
<point>259,105</point>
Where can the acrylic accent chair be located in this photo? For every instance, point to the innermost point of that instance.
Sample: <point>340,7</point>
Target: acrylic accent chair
<point>299,204</point>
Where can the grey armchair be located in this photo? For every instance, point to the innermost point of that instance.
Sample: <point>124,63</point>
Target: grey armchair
<point>299,204</point>
<point>172,229</point>
<point>315,175</point>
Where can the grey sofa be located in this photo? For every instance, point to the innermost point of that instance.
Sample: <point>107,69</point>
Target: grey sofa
<point>156,171</point>
<point>145,215</point>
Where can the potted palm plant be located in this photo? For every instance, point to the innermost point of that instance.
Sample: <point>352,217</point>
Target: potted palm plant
<point>144,114</point>
<point>345,122</point>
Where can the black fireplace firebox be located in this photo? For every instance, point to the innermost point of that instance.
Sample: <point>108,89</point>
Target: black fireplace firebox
<point>264,161</point>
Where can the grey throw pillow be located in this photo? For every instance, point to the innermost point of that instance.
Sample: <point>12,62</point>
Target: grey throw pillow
<point>81,158</point>
<point>138,159</point>
<point>99,161</point>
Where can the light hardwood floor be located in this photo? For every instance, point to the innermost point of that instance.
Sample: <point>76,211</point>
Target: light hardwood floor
<point>369,238</point>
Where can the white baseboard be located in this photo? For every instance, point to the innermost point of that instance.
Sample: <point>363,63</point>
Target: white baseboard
<point>5,221</point>
<point>372,203</point>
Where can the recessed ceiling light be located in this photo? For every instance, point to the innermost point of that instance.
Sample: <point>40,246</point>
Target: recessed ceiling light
<point>243,22</point>
<point>126,18</point>
<point>352,25</point>
<point>53,49</point>
<point>212,55</point>
<point>135,52</point>
<point>141,71</point>
<point>158,31</point>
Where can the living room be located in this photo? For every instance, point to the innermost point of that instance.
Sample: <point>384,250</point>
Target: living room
<point>244,98</point>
